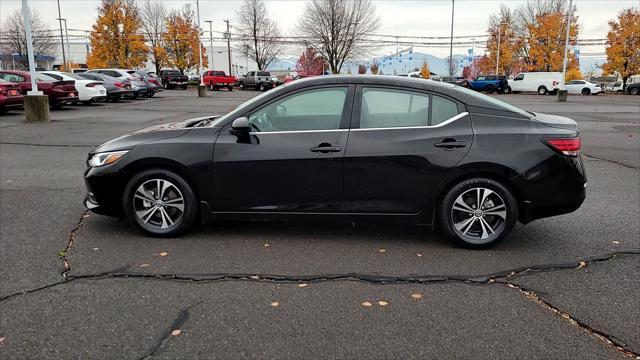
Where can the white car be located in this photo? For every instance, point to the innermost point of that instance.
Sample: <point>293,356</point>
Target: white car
<point>88,90</point>
<point>582,87</point>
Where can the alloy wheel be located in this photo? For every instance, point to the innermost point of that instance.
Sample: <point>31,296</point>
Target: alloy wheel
<point>479,215</point>
<point>159,204</point>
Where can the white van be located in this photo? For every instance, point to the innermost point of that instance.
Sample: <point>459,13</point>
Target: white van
<point>540,82</point>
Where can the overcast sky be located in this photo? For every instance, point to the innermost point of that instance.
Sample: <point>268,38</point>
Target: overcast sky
<point>417,18</point>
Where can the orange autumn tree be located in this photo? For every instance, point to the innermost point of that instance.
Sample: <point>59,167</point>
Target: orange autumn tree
<point>546,42</point>
<point>181,41</point>
<point>116,39</point>
<point>424,70</point>
<point>623,45</point>
<point>501,27</point>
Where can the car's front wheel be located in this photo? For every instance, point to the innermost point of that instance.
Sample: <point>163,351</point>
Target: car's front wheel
<point>477,213</point>
<point>160,202</point>
<point>634,91</point>
<point>542,90</point>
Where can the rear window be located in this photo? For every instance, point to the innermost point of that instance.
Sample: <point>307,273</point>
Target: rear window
<point>171,72</point>
<point>500,105</point>
<point>43,77</point>
<point>264,73</point>
<point>219,73</point>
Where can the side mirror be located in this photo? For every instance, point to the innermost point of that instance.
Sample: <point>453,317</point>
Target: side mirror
<point>241,125</point>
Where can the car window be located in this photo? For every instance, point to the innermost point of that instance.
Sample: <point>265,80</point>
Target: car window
<point>55,76</point>
<point>13,77</point>
<point>263,73</point>
<point>382,108</point>
<point>43,77</point>
<point>250,73</point>
<point>442,109</point>
<point>319,109</point>
<point>519,77</point>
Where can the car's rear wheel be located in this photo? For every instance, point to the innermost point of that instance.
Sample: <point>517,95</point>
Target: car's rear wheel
<point>241,86</point>
<point>230,88</point>
<point>160,203</point>
<point>490,89</point>
<point>542,90</point>
<point>586,91</point>
<point>477,213</point>
<point>634,91</point>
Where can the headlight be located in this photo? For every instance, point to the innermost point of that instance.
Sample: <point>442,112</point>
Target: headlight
<point>106,158</point>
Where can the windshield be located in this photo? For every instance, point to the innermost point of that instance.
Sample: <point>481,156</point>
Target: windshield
<point>501,105</point>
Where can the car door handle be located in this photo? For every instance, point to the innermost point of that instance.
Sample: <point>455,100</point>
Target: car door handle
<point>450,144</point>
<point>326,148</point>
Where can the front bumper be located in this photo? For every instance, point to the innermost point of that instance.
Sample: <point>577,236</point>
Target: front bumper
<point>105,187</point>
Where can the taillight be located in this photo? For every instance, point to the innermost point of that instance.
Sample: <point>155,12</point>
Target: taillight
<point>566,146</point>
<point>118,84</point>
<point>92,85</point>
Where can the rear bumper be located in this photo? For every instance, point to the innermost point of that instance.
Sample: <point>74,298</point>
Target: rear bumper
<point>11,101</point>
<point>65,100</point>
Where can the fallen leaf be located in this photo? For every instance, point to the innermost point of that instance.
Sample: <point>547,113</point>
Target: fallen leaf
<point>164,253</point>
<point>176,332</point>
<point>255,277</point>
<point>2,339</point>
<point>302,285</point>
<point>367,304</point>
<point>275,304</point>
<point>94,249</point>
<point>492,280</point>
<point>383,303</point>
<point>616,242</point>
<point>582,264</point>
<point>382,250</point>
<point>418,255</point>
<point>266,245</point>
<point>144,265</point>
<point>416,296</point>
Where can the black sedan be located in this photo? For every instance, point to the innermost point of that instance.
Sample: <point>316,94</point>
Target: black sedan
<point>350,148</point>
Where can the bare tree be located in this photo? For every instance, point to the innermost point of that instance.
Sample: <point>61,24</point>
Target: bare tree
<point>338,28</point>
<point>260,34</point>
<point>453,66</point>
<point>14,37</point>
<point>154,16</point>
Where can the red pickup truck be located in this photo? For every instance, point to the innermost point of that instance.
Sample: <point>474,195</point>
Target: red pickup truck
<point>216,79</point>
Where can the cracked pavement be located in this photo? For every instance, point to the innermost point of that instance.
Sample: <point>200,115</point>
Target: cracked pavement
<point>87,286</point>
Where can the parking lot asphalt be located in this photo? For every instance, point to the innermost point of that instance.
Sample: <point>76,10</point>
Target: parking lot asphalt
<point>563,287</point>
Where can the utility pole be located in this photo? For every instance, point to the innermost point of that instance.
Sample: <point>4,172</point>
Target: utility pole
<point>66,34</point>
<point>64,57</point>
<point>453,7</point>
<point>202,89</point>
<point>566,44</point>
<point>210,42</point>
<point>228,35</point>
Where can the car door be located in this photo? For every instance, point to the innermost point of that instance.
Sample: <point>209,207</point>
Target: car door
<point>401,145</point>
<point>517,84</point>
<point>574,86</point>
<point>292,161</point>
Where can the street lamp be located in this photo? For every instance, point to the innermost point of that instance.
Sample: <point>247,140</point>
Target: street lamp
<point>210,42</point>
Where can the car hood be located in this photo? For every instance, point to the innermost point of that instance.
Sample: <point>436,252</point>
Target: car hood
<point>150,134</point>
<point>557,121</point>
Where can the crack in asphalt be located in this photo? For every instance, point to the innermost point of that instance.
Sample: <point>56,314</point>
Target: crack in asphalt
<point>72,238</point>
<point>609,340</point>
<point>611,161</point>
<point>181,319</point>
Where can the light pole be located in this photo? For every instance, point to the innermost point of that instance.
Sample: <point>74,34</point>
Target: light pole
<point>453,7</point>
<point>228,35</point>
<point>566,44</point>
<point>36,104</point>
<point>211,42</point>
<point>498,55</point>
<point>64,57</point>
<point>199,43</point>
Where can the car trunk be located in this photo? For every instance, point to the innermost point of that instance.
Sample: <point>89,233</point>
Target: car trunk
<point>64,85</point>
<point>556,121</point>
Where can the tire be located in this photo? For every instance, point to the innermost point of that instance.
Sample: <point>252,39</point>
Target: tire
<point>465,225</point>
<point>261,87</point>
<point>230,88</point>
<point>507,90</point>
<point>241,86</point>
<point>634,91</point>
<point>172,215</point>
<point>150,95</point>
<point>184,87</point>
<point>211,86</point>
<point>585,91</point>
<point>542,90</point>
<point>164,85</point>
<point>489,89</point>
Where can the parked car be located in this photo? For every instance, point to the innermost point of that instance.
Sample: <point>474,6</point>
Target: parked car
<point>633,89</point>
<point>582,87</point>
<point>490,84</point>
<point>10,96</point>
<point>455,80</point>
<point>418,151</point>
<point>59,92</point>
<point>259,80</point>
<point>152,84</point>
<point>216,79</point>
<point>88,90</point>
<point>116,89</point>
<point>540,82</point>
<point>616,87</point>
<point>173,78</point>
<point>138,86</point>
